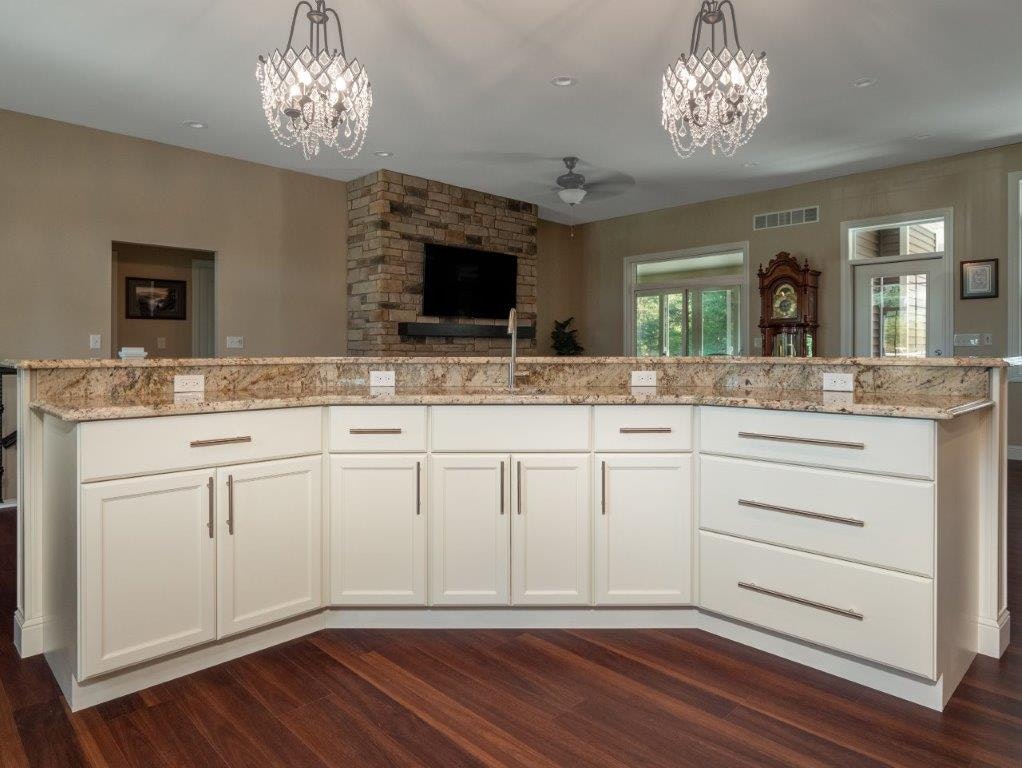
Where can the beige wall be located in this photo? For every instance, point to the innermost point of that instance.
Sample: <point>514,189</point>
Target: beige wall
<point>559,282</point>
<point>975,185</point>
<point>132,260</point>
<point>67,193</point>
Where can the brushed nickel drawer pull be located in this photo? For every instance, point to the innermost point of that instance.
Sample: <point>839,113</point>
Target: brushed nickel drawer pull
<point>375,431</point>
<point>212,505</point>
<point>603,488</point>
<point>801,601</point>
<point>645,430</point>
<point>803,513</point>
<point>502,487</point>
<point>230,504</point>
<point>221,441</point>
<point>418,488</point>
<point>803,440</point>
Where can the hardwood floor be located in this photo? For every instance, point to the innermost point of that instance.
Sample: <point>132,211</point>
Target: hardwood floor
<point>515,698</point>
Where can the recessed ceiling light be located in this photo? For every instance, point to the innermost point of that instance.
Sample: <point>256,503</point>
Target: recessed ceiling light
<point>384,154</point>
<point>194,124</point>
<point>750,164</point>
<point>563,81</point>
<point>923,136</point>
<point>864,82</point>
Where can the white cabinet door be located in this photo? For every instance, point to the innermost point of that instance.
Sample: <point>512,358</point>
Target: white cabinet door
<point>148,569</point>
<point>269,539</point>
<point>643,529</point>
<point>551,546</point>
<point>378,530</point>
<point>469,530</point>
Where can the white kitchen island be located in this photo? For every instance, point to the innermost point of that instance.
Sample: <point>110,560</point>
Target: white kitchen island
<point>860,534</point>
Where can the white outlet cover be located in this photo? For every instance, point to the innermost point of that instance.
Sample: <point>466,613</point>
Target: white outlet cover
<point>189,383</point>
<point>643,378</point>
<point>235,342</point>
<point>838,382</point>
<point>95,341</point>
<point>381,379</point>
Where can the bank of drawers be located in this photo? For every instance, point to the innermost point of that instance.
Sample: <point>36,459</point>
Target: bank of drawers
<point>822,527</point>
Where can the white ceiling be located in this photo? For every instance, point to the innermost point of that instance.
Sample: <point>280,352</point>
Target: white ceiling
<point>462,89</point>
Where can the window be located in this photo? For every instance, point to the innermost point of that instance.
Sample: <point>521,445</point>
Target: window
<point>688,303</point>
<point>897,286</point>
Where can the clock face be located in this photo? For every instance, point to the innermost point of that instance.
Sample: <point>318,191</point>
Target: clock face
<point>785,305</point>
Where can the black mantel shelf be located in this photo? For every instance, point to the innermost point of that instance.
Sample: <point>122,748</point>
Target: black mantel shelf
<point>463,330</point>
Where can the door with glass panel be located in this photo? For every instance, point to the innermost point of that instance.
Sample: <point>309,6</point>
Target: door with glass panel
<point>899,309</point>
<point>692,321</point>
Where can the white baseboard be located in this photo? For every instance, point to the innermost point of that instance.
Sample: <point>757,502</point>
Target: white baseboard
<point>31,635</point>
<point>1015,452</point>
<point>8,504</point>
<point>993,636</point>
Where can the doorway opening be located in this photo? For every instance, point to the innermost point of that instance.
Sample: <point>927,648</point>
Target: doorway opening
<point>163,301</point>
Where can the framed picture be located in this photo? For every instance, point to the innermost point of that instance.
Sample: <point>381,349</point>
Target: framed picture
<point>148,299</point>
<point>979,279</point>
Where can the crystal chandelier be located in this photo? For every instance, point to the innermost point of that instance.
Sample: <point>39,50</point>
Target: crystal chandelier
<point>316,96</point>
<point>716,96</point>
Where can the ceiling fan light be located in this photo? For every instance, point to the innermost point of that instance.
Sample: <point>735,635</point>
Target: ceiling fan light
<point>572,196</point>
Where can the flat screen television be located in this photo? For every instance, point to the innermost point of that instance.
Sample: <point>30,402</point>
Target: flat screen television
<point>463,282</point>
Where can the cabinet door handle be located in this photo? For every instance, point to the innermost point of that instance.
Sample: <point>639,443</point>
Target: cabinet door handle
<point>519,487</point>
<point>603,488</point>
<point>212,505</point>
<point>230,504</point>
<point>374,431</point>
<point>803,513</point>
<point>645,430</point>
<point>502,487</point>
<point>418,488</point>
<point>801,601</point>
<point>803,440</point>
<point>221,441</point>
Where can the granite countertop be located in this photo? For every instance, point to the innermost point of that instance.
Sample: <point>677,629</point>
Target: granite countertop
<point>937,362</point>
<point>890,404</point>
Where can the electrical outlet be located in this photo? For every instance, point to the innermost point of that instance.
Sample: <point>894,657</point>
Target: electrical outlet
<point>235,342</point>
<point>987,339</point>
<point>161,342</point>
<point>95,341</point>
<point>381,378</point>
<point>966,339</point>
<point>838,382</point>
<point>643,378</point>
<point>190,383</point>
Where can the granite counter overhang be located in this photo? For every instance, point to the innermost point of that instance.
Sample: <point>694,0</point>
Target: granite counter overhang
<point>900,405</point>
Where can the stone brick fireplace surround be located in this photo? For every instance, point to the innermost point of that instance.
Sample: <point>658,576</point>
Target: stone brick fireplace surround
<point>390,217</point>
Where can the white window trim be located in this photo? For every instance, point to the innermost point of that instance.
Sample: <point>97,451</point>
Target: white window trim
<point>848,266</point>
<point>630,288</point>
<point>1014,274</point>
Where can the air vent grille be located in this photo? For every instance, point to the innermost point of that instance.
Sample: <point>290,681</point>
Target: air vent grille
<point>809,215</point>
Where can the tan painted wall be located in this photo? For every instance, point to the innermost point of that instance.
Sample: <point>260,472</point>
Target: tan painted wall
<point>131,260</point>
<point>67,193</point>
<point>975,185</point>
<point>559,282</point>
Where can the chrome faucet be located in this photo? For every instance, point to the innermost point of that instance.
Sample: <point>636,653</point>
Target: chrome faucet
<point>512,331</point>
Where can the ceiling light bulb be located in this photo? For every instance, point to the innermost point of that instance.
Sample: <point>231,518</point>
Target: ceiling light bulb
<point>923,136</point>
<point>563,81</point>
<point>572,196</point>
<point>193,124</point>
<point>750,164</point>
<point>383,154</point>
<point>864,82</point>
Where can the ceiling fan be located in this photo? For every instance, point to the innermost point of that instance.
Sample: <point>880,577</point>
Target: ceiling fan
<point>572,187</point>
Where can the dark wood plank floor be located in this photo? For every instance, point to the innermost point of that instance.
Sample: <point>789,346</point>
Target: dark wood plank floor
<point>515,698</point>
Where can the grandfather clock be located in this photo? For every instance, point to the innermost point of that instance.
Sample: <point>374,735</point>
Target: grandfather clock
<point>788,314</point>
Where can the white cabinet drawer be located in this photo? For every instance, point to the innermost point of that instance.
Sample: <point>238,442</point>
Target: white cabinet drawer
<point>372,428</point>
<point>146,446</point>
<point>882,521</point>
<point>507,428</point>
<point>878,615</point>
<point>863,443</point>
<point>643,427</point>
